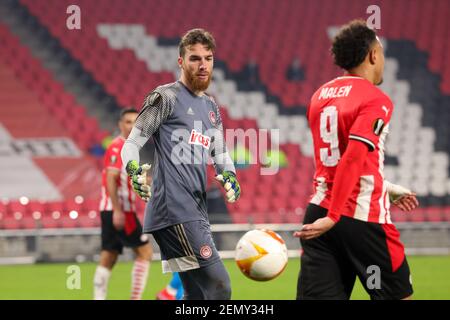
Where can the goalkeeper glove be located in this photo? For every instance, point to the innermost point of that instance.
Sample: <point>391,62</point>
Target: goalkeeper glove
<point>138,175</point>
<point>396,192</point>
<point>229,182</point>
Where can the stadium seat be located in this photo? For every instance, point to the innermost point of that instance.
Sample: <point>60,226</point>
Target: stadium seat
<point>89,219</point>
<point>400,216</point>
<point>417,216</point>
<point>12,221</point>
<point>16,206</point>
<point>434,214</point>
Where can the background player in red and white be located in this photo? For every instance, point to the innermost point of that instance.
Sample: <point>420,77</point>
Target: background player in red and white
<point>120,225</point>
<point>349,120</point>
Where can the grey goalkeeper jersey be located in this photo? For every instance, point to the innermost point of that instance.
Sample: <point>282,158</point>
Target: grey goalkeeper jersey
<point>187,131</point>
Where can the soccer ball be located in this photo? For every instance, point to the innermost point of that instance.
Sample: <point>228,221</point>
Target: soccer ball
<point>261,255</point>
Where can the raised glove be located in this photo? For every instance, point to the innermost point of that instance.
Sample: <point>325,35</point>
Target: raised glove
<point>138,175</point>
<point>229,182</point>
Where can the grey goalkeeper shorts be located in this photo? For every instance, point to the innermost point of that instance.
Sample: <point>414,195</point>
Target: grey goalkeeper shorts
<point>186,246</point>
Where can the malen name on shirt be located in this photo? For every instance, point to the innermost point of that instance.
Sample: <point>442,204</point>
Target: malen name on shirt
<point>335,92</point>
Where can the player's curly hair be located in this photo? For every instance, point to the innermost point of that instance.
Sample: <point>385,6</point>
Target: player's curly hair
<point>352,43</point>
<point>195,36</point>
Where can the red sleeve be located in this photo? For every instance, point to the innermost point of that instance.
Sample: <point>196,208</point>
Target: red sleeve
<point>348,172</point>
<point>370,121</point>
<point>113,160</point>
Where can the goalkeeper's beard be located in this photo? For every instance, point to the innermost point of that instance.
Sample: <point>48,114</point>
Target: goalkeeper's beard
<point>197,84</point>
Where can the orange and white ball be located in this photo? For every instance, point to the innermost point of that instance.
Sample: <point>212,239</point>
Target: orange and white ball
<point>261,255</point>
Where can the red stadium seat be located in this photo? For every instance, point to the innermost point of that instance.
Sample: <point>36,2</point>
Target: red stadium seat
<point>50,222</point>
<point>3,207</point>
<point>12,221</point>
<point>417,216</point>
<point>434,214</point>
<point>89,219</point>
<point>73,205</point>
<point>68,222</point>
<point>29,222</point>
<point>446,214</point>
<point>36,206</point>
<point>400,216</point>
<point>16,206</point>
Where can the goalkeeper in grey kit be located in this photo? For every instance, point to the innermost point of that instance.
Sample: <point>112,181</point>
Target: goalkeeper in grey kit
<point>187,130</point>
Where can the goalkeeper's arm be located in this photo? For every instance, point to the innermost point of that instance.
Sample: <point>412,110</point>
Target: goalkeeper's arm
<point>224,166</point>
<point>130,157</point>
<point>132,146</point>
<point>156,109</point>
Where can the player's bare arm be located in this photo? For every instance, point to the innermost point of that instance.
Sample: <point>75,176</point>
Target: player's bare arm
<point>112,176</point>
<point>401,197</point>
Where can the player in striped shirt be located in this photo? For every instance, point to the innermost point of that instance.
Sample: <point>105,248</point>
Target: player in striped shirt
<point>120,225</point>
<point>347,226</point>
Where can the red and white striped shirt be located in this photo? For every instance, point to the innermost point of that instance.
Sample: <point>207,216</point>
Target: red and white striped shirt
<point>351,108</point>
<point>113,161</point>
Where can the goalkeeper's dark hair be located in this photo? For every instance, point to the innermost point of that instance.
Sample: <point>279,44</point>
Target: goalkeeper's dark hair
<point>126,111</point>
<point>352,44</point>
<point>195,36</point>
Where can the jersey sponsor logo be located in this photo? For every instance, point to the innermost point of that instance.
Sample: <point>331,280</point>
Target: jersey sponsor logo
<point>385,109</point>
<point>212,118</point>
<point>200,139</point>
<point>206,251</point>
<point>378,126</point>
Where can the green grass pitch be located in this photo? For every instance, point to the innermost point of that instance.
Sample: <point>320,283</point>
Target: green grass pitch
<point>431,280</point>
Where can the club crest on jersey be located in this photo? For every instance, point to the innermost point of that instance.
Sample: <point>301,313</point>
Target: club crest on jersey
<point>113,159</point>
<point>378,126</point>
<point>205,251</point>
<point>200,139</point>
<point>212,118</point>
